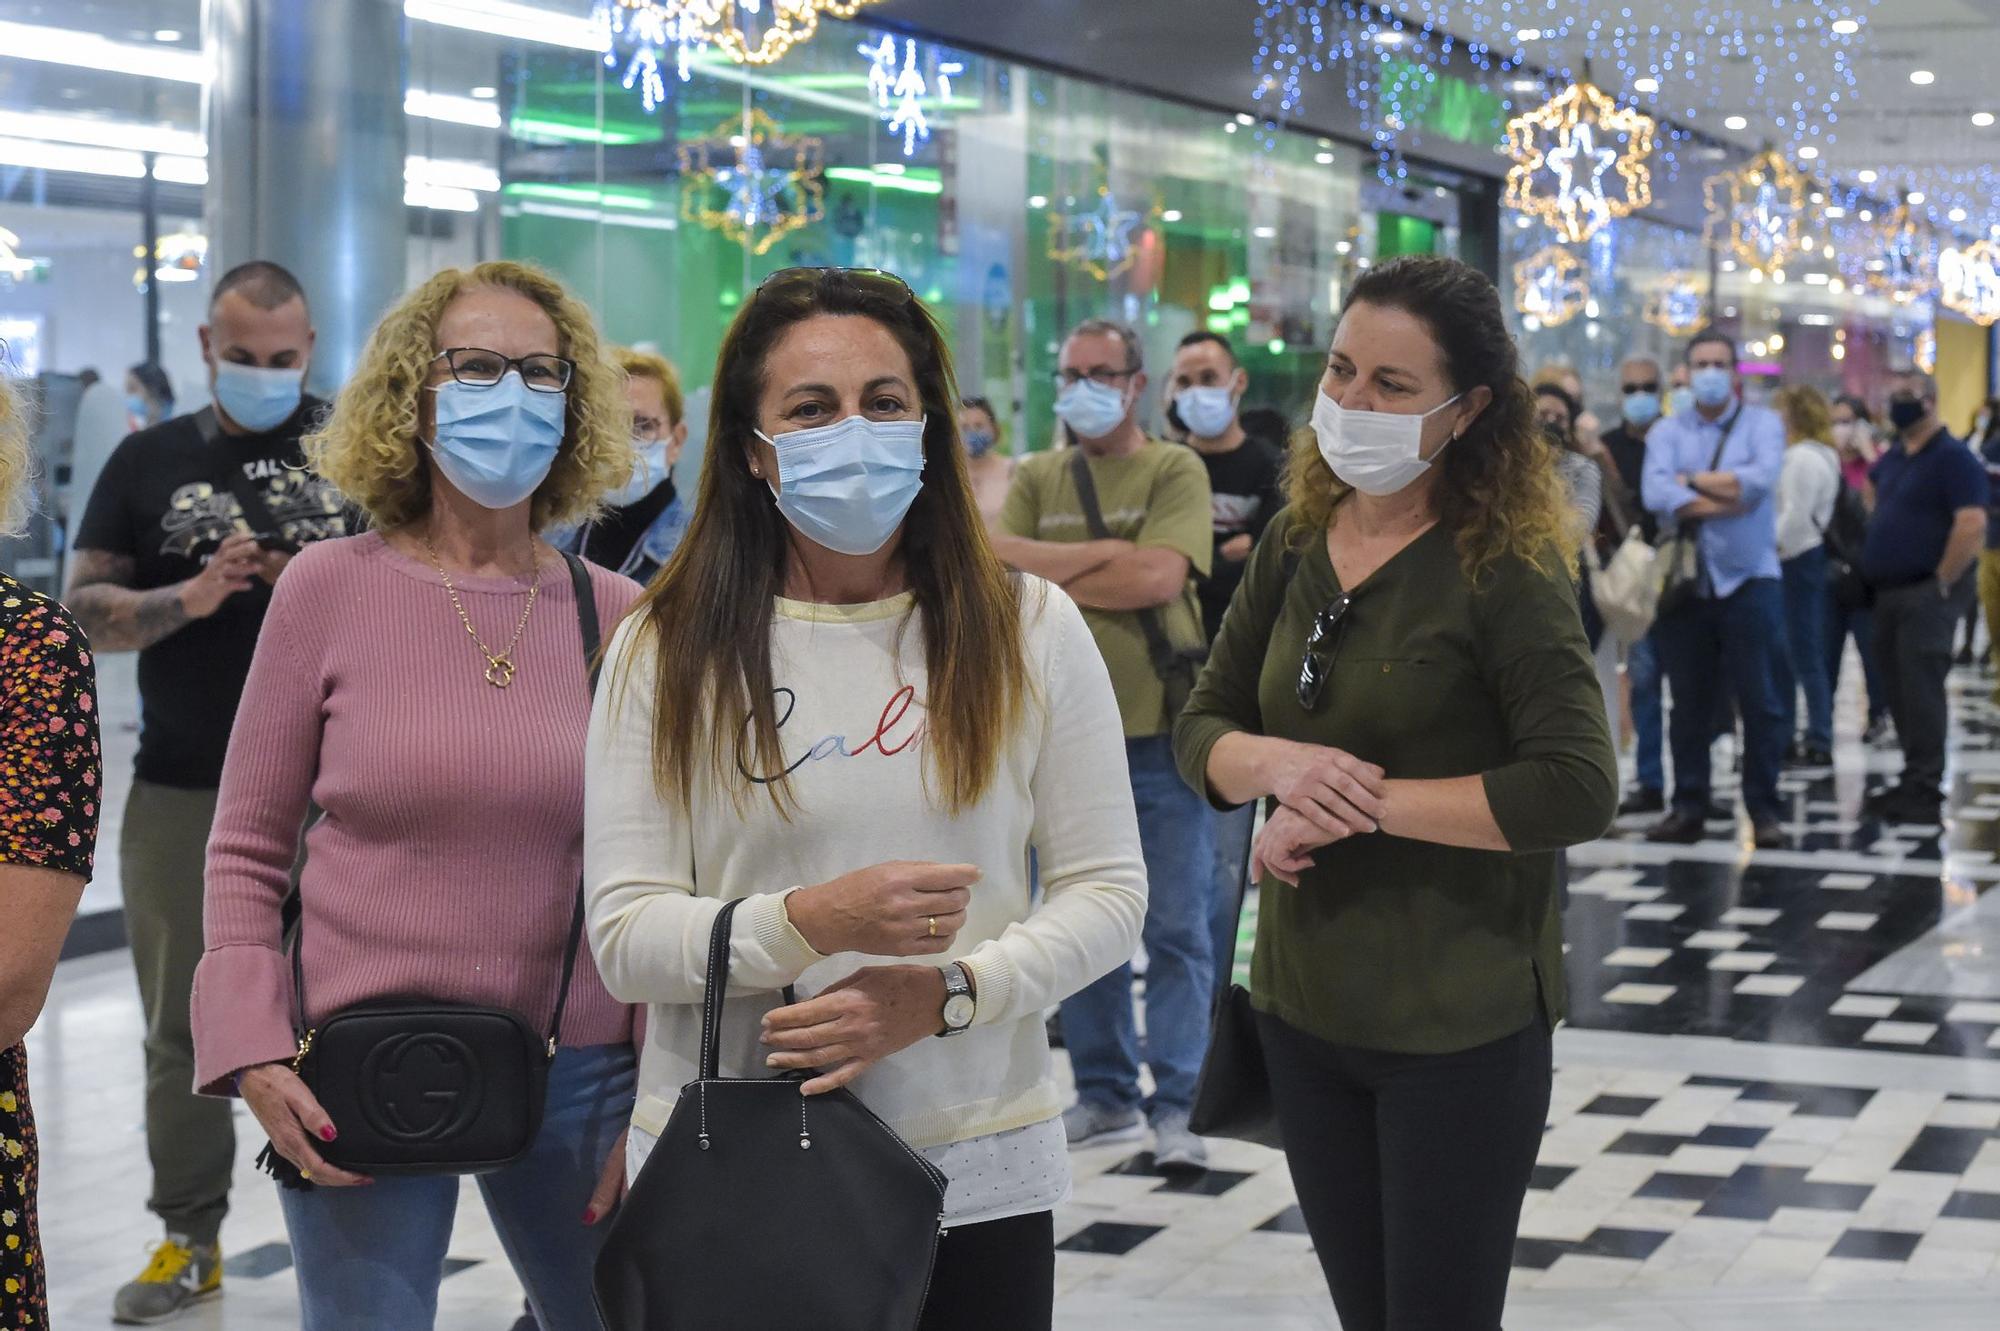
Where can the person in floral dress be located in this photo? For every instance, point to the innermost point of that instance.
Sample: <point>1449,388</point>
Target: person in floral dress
<point>50,780</point>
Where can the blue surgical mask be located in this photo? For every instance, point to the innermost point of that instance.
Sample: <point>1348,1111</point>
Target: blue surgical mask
<point>1207,412</point>
<point>138,408</point>
<point>848,486</point>
<point>255,398</point>
<point>497,444</point>
<point>979,442</point>
<point>1642,409</point>
<point>1712,385</point>
<point>1091,409</point>
<point>649,468</point>
<point>1681,401</point>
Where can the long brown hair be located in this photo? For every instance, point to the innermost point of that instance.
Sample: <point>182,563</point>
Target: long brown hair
<point>1497,486</point>
<point>708,614</point>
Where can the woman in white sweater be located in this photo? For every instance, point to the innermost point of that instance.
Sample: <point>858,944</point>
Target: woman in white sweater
<point>837,704</point>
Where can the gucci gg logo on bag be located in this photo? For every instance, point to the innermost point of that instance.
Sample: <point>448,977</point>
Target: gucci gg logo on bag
<point>421,1087</point>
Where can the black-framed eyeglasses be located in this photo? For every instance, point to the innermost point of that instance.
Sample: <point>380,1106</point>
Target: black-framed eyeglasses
<point>880,281</point>
<point>1100,375</point>
<point>476,367</point>
<point>1321,644</point>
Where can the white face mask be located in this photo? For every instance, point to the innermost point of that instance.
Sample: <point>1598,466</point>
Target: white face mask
<point>1207,412</point>
<point>1376,452</point>
<point>649,468</point>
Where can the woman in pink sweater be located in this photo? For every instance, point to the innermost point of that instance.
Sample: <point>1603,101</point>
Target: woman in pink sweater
<point>425,686</point>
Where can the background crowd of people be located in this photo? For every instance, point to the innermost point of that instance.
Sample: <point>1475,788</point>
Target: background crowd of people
<point>959,730</point>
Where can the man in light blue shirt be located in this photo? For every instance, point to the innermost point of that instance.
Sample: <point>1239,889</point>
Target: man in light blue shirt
<point>1717,466</point>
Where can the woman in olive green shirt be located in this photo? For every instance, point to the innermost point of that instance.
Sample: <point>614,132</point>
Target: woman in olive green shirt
<point>1404,672</point>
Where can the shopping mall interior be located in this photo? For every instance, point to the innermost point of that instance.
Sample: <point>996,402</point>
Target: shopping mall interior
<point>1776,1089</point>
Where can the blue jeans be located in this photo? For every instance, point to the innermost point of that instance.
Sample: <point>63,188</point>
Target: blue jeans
<point>1738,638</point>
<point>1861,624</point>
<point>1802,667</point>
<point>1100,1030</point>
<point>1232,876</point>
<point>1642,672</point>
<point>371,1259</point>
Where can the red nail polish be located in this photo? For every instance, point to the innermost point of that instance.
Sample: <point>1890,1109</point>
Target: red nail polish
<point>327,1133</point>
<point>590,1215</point>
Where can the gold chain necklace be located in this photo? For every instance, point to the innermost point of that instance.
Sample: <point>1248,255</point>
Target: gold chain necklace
<point>499,665</point>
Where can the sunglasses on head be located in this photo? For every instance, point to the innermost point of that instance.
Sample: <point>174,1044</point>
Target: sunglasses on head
<point>1322,642</point>
<point>879,281</point>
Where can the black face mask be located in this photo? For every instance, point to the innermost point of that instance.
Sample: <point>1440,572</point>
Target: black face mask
<point>1905,411</point>
<point>1558,436</point>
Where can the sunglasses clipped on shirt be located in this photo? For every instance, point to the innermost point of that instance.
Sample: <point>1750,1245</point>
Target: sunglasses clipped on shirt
<point>1322,642</point>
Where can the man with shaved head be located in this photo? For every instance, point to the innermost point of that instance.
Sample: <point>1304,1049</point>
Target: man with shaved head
<point>189,524</point>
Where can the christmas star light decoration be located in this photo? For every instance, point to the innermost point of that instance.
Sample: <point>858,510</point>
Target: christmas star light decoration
<point>901,89</point>
<point>1676,305</point>
<point>1903,259</point>
<point>753,181</point>
<point>1551,286</point>
<point>1969,281</point>
<point>1756,212</point>
<point>1099,241</point>
<point>749,32</point>
<point>1568,150</point>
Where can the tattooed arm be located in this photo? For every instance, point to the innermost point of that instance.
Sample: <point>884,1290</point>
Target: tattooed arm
<point>119,618</point>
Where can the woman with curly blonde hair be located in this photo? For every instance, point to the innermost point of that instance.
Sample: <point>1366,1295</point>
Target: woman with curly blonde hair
<point>1403,674</point>
<point>424,686</point>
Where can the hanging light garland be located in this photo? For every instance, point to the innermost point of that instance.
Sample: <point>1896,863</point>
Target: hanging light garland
<point>1757,212</point>
<point>753,181</point>
<point>1903,255</point>
<point>1551,286</point>
<point>1676,304</point>
<point>903,90</point>
<point>1969,281</point>
<point>1923,351</point>
<point>1564,149</point>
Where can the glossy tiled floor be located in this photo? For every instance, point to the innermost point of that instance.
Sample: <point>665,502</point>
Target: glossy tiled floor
<point>1778,1105</point>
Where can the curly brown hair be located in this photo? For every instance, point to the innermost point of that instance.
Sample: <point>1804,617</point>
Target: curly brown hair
<point>1497,486</point>
<point>368,446</point>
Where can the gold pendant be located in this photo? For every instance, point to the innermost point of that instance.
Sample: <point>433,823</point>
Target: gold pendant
<point>499,671</point>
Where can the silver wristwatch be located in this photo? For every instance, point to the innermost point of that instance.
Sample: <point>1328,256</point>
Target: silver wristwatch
<point>959,1004</point>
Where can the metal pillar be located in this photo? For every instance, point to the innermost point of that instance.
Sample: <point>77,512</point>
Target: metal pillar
<point>306,143</point>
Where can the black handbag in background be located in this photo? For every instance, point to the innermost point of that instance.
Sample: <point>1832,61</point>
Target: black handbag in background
<point>419,1087</point>
<point>762,1209</point>
<point>1232,1096</point>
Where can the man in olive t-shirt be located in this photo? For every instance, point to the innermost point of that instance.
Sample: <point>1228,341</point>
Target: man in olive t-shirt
<point>1154,499</point>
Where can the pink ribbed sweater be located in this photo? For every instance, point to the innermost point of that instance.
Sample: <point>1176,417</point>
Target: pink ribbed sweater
<point>447,862</point>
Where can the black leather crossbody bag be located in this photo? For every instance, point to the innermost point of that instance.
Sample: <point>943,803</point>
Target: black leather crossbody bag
<point>761,1208</point>
<point>422,1087</point>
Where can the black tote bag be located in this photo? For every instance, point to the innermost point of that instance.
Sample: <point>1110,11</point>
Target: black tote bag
<point>761,1209</point>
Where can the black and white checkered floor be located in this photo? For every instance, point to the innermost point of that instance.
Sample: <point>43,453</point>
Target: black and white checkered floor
<point>1777,1104</point>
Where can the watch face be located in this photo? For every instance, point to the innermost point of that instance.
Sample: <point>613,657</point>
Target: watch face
<point>958,1011</point>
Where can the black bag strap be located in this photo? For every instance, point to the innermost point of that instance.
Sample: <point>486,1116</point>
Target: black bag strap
<point>1158,645</point>
<point>715,984</point>
<point>586,618</point>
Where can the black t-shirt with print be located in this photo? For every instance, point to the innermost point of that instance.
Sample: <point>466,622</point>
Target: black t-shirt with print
<point>163,500</point>
<point>1245,491</point>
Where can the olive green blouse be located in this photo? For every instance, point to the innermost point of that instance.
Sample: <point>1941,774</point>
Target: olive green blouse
<point>1398,945</point>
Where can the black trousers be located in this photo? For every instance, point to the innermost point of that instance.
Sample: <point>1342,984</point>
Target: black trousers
<point>999,1276</point>
<point>1913,632</point>
<point>1411,1170</point>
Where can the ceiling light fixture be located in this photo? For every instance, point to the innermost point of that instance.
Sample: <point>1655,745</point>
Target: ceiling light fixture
<point>451,110</point>
<point>84,50</point>
<point>1645,85</point>
<point>1866,177</point>
<point>1528,35</point>
<point>1736,122</point>
<point>1808,153</point>
<point>167,35</point>
<point>1982,118</point>
<point>527,23</point>
<point>1923,78</point>
<point>1845,27</point>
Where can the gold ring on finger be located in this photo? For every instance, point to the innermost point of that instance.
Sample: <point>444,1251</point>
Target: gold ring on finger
<point>933,924</point>
<point>305,1173</point>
